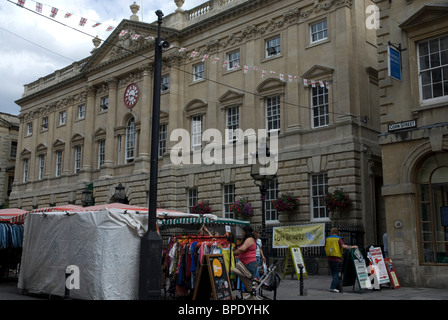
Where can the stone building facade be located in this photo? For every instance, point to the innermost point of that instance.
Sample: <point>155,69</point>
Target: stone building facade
<point>414,138</point>
<point>9,131</point>
<point>84,124</point>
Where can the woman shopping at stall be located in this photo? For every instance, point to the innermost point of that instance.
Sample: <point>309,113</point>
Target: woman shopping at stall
<point>246,253</point>
<point>246,267</point>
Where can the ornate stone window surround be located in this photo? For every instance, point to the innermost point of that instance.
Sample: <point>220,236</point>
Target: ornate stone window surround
<point>309,43</point>
<point>41,151</point>
<point>318,73</point>
<point>77,141</point>
<point>231,99</point>
<point>414,38</point>
<point>269,88</point>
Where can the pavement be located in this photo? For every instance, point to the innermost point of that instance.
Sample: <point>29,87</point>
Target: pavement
<point>315,287</point>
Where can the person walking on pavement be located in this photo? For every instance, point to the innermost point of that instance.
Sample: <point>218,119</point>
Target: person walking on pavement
<point>333,249</point>
<point>259,253</point>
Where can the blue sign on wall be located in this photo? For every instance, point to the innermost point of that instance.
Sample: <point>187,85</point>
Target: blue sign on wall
<point>394,62</point>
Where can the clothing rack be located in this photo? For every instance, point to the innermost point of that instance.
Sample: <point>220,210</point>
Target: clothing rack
<point>11,235</point>
<point>183,257</point>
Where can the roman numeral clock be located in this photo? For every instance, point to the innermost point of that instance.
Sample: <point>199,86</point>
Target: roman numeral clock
<point>131,95</point>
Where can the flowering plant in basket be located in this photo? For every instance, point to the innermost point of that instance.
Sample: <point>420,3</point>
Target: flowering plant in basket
<point>337,201</point>
<point>242,207</point>
<point>286,202</point>
<point>201,208</point>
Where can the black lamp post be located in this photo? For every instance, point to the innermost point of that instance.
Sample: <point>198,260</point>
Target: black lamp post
<point>261,173</point>
<point>151,243</point>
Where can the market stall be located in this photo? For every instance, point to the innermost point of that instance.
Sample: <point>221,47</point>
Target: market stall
<point>102,242</point>
<point>187,239</point>
<point>103,245</point>
<point>11,236</point>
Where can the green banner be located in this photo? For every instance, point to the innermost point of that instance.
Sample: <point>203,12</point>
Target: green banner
<point>310,235</point>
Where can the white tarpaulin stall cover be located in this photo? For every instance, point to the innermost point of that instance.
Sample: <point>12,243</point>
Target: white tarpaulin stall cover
<point>104,245</point>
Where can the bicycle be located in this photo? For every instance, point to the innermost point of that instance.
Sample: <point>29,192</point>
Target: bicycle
<point>311,263</point>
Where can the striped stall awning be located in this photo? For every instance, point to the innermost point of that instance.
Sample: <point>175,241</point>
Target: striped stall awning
<point>7,214</point>
<point>202,220</point>
<point>21,218</point>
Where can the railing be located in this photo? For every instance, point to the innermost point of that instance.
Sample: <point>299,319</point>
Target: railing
<point>213,5</point>
<point>200,10</point>
<point>224,2</point>
<point>55,77</point>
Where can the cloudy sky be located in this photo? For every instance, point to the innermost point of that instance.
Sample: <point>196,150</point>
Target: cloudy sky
<point>33,45</point>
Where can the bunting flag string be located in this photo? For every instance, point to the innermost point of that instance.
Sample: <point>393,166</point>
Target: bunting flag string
<point>53,12</point>
<point>39,8</point>
<point>246,69</point>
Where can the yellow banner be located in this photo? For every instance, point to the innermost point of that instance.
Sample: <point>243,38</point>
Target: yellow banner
<point>310,235</point>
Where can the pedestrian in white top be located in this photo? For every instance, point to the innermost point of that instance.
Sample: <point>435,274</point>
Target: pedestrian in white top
<point>259,253</point>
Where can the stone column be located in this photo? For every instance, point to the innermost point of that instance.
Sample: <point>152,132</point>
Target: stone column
<point>176,101</point>
<point>88,163</point>
<point>143,159</point>
<point>291,115</point>
<point>68,154</point>
<point>49,157</point>
<point>107,168</point>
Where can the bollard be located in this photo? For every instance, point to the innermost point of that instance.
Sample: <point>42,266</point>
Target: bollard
<point>301,278</point>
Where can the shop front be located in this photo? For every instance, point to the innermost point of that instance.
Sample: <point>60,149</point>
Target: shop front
<point>432,206</point>
<point>417,219</point>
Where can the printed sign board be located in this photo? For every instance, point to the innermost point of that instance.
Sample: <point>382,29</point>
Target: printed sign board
<point>392,274</point>
<point>304,236</point>
<point>394,63</point>
<point>212,279</point>
<point>402,125</point>
<point>292,262</point>
<point>376,258</point>
<point>361,270</point>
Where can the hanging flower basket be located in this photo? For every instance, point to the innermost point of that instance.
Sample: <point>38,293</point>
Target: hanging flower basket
<point>242,207</point>
<point>337,201</point>
<point>201,208</point>
<point>286,202</point>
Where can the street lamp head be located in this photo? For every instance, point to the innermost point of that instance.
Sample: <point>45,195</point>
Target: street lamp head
<point>164,44</point>
<point>263,167</point>
<point>261,172</point>
<point>86,197</point>
<point>159,14</point>
<point>120,193</point>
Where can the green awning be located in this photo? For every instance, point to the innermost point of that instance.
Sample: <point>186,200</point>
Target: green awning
<point>202,220</point>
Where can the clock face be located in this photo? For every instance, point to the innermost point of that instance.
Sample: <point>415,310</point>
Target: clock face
<point>131,95</point>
